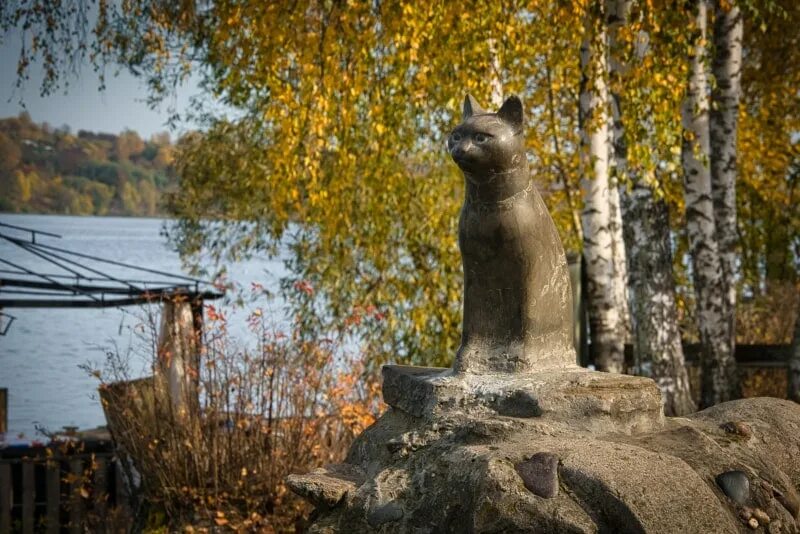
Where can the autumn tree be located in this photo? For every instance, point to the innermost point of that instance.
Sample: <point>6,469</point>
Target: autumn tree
<point>335,150</point>
<point>656,337</point>
<point>769,152</point>
<point>723,133</point>
<point>603,247</point>
<point>375,206</point>
<point>10,154</point>
<point>719,375</point>
<point>128,143</point>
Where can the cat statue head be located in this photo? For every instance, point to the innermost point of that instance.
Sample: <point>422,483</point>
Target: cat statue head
<point>486,143</point>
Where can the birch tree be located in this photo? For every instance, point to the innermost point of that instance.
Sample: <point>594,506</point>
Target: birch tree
<point>723,122</point>
<point>719,376</point>
<point>602,244</point>
<point>618,247</point>
<point>657,346</point>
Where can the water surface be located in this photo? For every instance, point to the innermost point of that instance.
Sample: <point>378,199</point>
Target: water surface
<point>43,349</point>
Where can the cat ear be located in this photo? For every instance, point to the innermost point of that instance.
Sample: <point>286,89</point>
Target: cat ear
<point>471,107</point>
<point>511,111</point>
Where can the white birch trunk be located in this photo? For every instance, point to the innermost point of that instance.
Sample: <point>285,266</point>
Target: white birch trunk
<point>727,70</point>
<point>496,97</point>
<point>719,376</point>
<point>618,248</point>
<point>657,347</point>
<point>603,276</point>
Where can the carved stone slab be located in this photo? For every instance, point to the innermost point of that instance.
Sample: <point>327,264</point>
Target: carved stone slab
<point>584,399</point>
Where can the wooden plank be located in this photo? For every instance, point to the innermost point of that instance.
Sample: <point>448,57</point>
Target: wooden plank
<point>100,486</point>
<point>53,484</point>
<point>746,355</point>
<point>6,497</point>
<point>75,499</point>
<point>120,490</point>
<point>28,498</point>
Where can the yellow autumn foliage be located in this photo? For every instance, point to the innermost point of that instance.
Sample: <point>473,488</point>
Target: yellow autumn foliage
<point>335,144</point>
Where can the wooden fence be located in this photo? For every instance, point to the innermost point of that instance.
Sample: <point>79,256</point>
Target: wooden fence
<point>3,410</point>
<point>44,490</point>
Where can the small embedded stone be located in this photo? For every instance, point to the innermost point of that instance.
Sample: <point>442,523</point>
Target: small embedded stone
<point>753,523</point>
<point>738,428</point>
<point>539,474</point>
<point>746,513</point>
<point>762,516</point>
<point>386,513</point>
<point>735,485</point>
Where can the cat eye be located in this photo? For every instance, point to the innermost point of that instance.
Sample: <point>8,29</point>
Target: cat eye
<point>456,137</point>
<point>481,138</point>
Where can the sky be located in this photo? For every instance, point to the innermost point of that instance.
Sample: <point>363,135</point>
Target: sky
<point>83,107</point>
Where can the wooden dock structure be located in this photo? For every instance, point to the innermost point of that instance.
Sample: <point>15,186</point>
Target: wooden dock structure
<point>60,487</point>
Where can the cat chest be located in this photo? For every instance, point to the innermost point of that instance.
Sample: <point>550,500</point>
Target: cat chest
<point>496,232</point>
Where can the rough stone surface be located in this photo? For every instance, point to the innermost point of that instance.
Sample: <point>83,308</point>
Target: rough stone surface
<point>325,487</point>
<point>586,399</point>
<point>539,474</point>
<point>385,513</point>
<point>459,472</point>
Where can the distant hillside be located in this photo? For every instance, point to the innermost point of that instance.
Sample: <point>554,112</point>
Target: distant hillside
<point>45,170</point>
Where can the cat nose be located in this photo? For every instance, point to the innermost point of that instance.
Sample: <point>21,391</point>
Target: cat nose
<point>461,149</point>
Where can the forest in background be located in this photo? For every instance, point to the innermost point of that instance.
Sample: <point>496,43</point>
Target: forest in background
<point>54,171</point>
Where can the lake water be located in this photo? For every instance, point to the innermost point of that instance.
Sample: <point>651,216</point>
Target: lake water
<point>43,349</point>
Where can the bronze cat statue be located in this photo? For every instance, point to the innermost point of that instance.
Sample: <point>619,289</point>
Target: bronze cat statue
<point>517,313</point>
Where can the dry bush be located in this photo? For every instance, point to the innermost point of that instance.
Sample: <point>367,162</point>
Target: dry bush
<point>288,404</point>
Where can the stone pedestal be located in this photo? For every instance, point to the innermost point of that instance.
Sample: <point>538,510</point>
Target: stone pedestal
<point>732,468</point>
<point>585,399</point>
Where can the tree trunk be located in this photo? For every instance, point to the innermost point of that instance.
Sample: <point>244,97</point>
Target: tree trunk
<point>719,377</point>
<point>602,274</point>
<point>618,247</point>
<point>727,70</point>
<point>657,347</point>
<point>496,84</point>
<point>793,392</point>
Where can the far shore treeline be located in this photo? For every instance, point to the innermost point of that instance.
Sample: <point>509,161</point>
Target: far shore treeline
<point>57,171</point>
